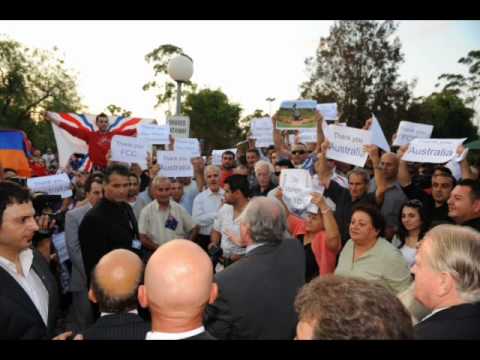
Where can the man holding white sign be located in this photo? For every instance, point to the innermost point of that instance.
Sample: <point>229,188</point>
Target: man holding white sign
<point>129,150</point>
<point>407,131</point>
<point>357,193</point>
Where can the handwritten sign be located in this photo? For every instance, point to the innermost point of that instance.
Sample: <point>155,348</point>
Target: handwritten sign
<point>52,185</point>
<point>435,151</point>
<point>328,111</point>
<point>407,131</point>
<point>174,164</point>
<point>60,245</point>
<point>296,185</point>
<point>308,135</point>
<point>188,146</point>
<point>179,126</point>
<point>129,149</point>
<point>262,131</point>
<point>347,145</point>
<point>154,134</point>
<point>217,155</point>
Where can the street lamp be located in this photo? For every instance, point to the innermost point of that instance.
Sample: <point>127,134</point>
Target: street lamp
<point>270,100</point>
<point>180,69</point>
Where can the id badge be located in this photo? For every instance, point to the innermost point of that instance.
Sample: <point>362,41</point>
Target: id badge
<point>136,244</point>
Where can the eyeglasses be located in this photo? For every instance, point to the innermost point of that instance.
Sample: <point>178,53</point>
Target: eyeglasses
<point>298,152</point>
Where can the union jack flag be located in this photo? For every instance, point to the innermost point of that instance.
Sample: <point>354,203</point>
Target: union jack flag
<point>68,144</point>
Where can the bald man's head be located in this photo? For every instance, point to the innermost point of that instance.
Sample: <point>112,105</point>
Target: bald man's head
<point>115,281</point>
<point>178,281</point>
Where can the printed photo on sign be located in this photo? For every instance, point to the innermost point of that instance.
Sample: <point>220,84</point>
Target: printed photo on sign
<point>296,114</point>
<point>52,185</point>
<point>407,131</point>
<point>154,134</point>
<point>435,151</point>
<point>296,185</point>
<point>129,150</point>
<point>174,164</point>
<point>347,145</point>
<point>328,111</point>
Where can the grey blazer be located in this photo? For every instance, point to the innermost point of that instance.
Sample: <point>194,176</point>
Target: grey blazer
<point>73,219</point>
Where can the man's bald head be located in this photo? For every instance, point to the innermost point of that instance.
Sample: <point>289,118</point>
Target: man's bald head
<point>178,280</point>
<point>115,281</point>
<point>389,161</point>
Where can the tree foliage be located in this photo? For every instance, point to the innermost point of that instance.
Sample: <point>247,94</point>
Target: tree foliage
<point>213,118</point>
<point>245,123</point>
<point>162,84</point>
<point>447,112</point>
<point>31,82</point>
<point>357,67</point>
<point>115,110</point>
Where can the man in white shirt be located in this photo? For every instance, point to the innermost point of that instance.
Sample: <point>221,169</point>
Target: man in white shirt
<point>163,219</point>
<point>225,225</point>
<point>207,204</point>
<point>28,292</point>
<point>178,286</point>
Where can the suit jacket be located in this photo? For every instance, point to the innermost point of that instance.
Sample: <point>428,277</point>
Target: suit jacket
<point>202,336</point>
<point>73,219</point>
<point>461,322</point>
<point>106,227</point>
<point>19,318</point>
<point>124,326</point>
<point>256,294</point>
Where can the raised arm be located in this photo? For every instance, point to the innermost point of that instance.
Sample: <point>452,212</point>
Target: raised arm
<point>333,239</point>
<point>280,146</point>
<point>320,134</point>
<point>464,165</point>
<point>378,173</point>
<point>404,177</point>
<point>321,166</point>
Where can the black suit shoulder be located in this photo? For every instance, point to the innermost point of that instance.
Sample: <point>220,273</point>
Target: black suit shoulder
<point>202,336</point>
<point>461,322</point>
<point>118,327</point>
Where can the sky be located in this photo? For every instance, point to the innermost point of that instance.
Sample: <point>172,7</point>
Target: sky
<point>248,60</point>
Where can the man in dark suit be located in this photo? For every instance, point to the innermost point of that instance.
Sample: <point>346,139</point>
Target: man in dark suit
<point>114,288</point>
<point>80,313</point>
<point>257,293</point>
<point>178,286</point>
<point>447,282</point>
<point>28,292</point>
<point>111,224</point>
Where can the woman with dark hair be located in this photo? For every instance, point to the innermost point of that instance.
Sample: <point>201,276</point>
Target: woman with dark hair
<point>413,225</point>
<point>369,256</point>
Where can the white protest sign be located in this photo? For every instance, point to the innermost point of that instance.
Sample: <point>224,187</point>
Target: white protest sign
<point>262,131</point>
<point>328,111</point>
<point>174,164</point>
<point>61,246</point>
<point>129,149</point>
<point>154,134</point>
<point>179,126</point>
<point>435,151</point>
<point>347,145</point>
<point>407,131</point>
<point>52,185</point>
<point>308,135</point>
<point>188,146</point>
<point>217,155</point>
<point>378,137</point>
<point>327,133</point>
<point>296,185</point>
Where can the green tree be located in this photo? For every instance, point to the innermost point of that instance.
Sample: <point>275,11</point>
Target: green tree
<point>162,84</point>
<point>245,123</point>
<point>31,82</point>
<point>447,112</point>
<point>115,110</point>
<point>357,67</point>
<point>213,118</point>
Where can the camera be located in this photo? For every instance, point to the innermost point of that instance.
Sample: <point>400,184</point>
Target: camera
<point>45,204</point>
<point>215,253</point>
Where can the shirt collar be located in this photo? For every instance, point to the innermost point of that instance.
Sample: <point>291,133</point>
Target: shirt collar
<point>433,313</point>
<point>134,311</point>
<point>210,192</point>
<point>249,248</point>
<point>156,335</point>
<point>26,261</point>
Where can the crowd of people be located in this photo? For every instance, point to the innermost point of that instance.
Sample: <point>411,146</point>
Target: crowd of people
<point>387,251</point>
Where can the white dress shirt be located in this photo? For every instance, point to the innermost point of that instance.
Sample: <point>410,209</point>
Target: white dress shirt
<point>29,281</point>
<point>225,221</point>
<point>155,335</point>
<point>205,209</point>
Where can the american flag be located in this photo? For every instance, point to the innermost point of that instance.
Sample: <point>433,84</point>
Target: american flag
<point>68,144</point>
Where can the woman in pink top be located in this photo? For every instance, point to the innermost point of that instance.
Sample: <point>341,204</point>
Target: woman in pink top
<point>319,235</point>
